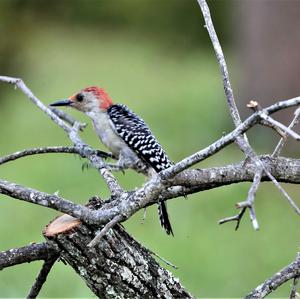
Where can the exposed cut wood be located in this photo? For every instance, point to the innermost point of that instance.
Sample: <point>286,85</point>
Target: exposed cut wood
<point>61,224</point>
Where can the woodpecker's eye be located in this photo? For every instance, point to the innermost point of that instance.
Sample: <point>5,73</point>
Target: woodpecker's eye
<point>79,97</point>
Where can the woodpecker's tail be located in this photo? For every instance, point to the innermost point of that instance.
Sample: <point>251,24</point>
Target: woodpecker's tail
<point>164,217</point>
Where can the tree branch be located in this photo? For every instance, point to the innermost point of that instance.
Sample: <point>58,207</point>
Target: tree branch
<point>26,254</point>
<point>227,139</point>
<point>190,181</point>
<point>118,266</point>
<point>242,140</point>
<point>41,279</point>
<point>282,141</point>
<point>289,272</point>
<point>48,200</point>
<point>249,203</point>
<point>47,150</point>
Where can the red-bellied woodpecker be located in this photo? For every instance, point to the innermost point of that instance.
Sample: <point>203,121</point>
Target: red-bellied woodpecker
<point>125,134</point>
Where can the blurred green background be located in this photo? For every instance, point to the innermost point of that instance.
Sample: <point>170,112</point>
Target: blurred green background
<point>155,57</point>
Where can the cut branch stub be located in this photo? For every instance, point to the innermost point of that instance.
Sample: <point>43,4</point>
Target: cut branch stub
<point>62,224</point>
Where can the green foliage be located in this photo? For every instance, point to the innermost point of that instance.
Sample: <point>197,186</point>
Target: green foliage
<point>180,95</point>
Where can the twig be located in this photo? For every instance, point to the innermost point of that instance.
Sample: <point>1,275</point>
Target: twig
<point>279,127</point>
<point>221,60</point>
<point>242,140</point>
<point>41,279</point>
<point>26,254</point>
<point>47,150</point>
<point>105,229</point>
<point>67,118</point>
<point>236,218</point>
<point>162,259</point>
<point>282,141</point>
<point>289,272</point>
<point>249,203</point>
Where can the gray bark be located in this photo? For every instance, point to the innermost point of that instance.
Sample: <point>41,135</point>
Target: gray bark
<point>118,266</point>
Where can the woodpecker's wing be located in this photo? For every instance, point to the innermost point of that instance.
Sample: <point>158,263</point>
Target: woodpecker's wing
<point>136,134</point>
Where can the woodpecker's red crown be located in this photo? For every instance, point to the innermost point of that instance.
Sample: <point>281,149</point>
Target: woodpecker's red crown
<point>93,92</point>
<point>89,99</point>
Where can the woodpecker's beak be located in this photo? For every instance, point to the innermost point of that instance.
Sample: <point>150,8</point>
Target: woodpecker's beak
<point>66,102</point>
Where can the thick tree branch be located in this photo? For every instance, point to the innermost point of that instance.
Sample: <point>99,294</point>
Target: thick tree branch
<point>26,254</point>
<point>190,181</point>
<point>118,266</point>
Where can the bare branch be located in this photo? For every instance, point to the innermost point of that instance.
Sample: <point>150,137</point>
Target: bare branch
<point>289,272</point>
<point>227,139</point>
<point>47,150</point>
<point>279,127</point>
<point>236,218</point>
<point>26,254</point>
<point>248,204</point>
<point>222,63</point>
<point>48,200</point>
<point>105,229</point>
<point>241,140</point>
<point>190,181</point>
<point>67,118</point>
<point>281,142</point>
<point>21,85</point>
<point>41,279</point>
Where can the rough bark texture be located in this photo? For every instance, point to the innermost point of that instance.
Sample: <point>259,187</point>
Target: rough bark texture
<point>118,267</point>
<point>30,253</point>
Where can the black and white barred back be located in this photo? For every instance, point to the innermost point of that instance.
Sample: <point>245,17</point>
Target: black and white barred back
<point>137,135</point>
